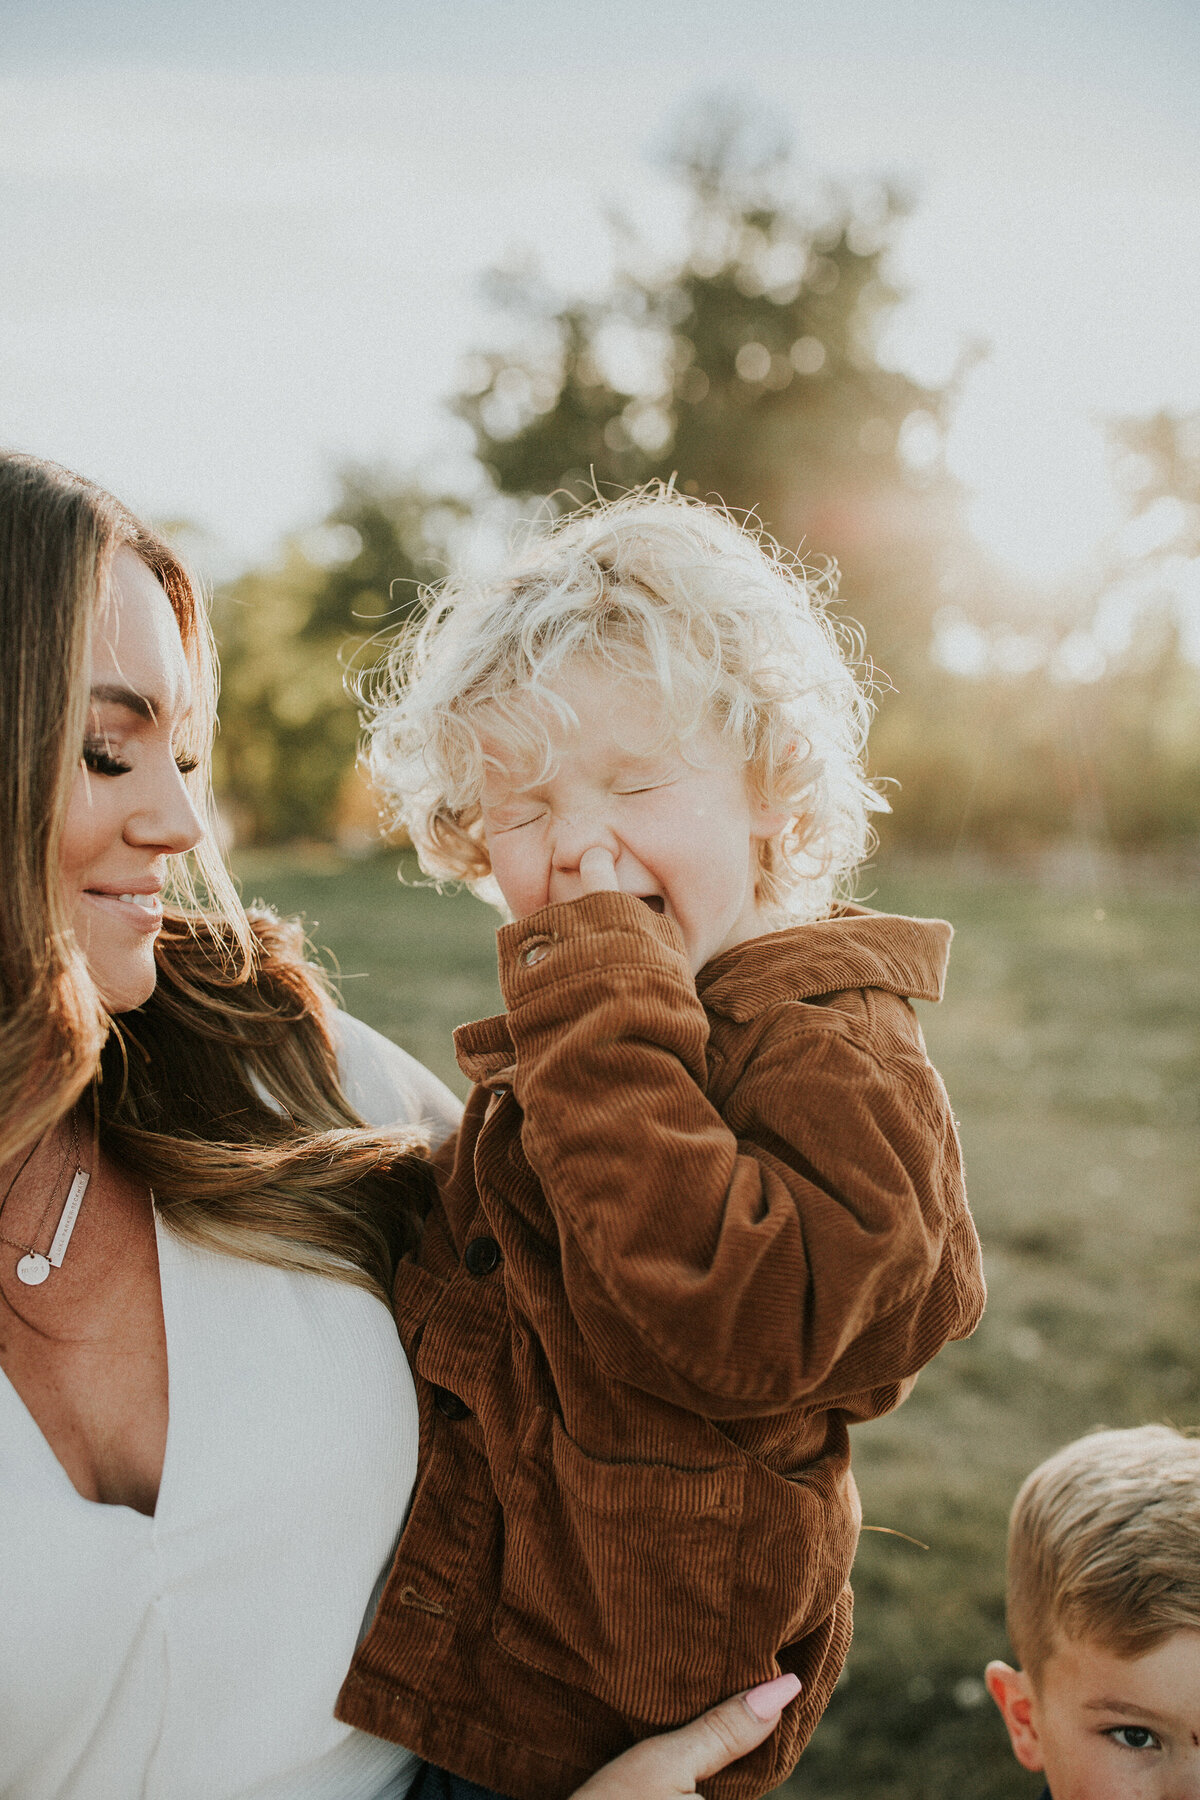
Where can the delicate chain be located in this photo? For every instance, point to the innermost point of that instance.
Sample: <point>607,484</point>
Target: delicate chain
<point>53,1187</point>
<point>25,1162</point>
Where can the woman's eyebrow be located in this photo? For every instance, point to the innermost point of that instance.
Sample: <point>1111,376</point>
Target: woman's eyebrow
<point>107,694</point>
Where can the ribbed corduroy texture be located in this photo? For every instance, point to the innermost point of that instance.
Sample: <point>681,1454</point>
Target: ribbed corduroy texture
<point>729,1224</point>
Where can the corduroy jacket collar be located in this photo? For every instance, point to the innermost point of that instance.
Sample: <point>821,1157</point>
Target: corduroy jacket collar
<point>855,948</point>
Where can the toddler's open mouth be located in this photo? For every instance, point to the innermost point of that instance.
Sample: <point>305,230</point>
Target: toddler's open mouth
<point>655,902</point>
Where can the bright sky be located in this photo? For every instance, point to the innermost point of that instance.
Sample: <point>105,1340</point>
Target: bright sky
<point>242,243</point>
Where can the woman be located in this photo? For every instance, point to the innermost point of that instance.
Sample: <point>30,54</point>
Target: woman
<point>207,1426</point>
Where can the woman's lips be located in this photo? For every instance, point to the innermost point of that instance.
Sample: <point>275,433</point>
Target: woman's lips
<point>143,912</point>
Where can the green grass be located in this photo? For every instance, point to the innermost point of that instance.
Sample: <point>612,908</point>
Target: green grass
<point>1070,1042</point>
<point>410,961</point>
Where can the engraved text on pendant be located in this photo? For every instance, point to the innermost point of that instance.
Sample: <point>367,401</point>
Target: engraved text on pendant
<point>33,1269</point>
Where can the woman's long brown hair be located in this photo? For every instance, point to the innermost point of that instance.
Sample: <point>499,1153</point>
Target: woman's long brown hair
<point>222,1090</point>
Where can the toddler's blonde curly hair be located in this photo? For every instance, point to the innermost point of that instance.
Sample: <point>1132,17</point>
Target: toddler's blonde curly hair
<point>732,634</point>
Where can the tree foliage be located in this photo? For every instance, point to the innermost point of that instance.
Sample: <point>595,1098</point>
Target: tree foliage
<point>1159,459</point>
<point>288,635</point>
<point>1092,730</point>
<point>749,369</point>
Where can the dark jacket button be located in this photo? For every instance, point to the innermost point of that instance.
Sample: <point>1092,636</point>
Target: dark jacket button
<point>481,1256</point>
<point>449,1405</point>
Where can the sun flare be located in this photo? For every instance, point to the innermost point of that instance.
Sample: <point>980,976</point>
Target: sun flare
<point>1037,472</point>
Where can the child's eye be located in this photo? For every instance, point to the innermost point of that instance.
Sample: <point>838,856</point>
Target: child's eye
<point>99,761</point>
<point>1134,1737</point>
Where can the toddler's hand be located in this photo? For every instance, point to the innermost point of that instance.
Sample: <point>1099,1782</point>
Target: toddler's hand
<point>598,871</point>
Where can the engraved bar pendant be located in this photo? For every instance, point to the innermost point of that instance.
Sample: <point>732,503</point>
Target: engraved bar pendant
<point>67,1218</point>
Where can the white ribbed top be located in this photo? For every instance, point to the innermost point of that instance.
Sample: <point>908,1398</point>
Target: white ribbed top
<point>197,1655</point>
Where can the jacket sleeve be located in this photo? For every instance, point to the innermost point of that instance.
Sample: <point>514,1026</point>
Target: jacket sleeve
<point>802,1259</point>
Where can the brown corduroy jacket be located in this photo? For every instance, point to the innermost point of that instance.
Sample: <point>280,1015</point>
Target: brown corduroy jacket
<point>689,1232</point>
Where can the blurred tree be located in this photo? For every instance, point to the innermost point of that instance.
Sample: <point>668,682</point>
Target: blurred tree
<point>751,370</point>
<point>288,634</point>
<point>1148,737</point>
<point>1158,458</point>
<point>1013,760</point>
<point>1088,727</point>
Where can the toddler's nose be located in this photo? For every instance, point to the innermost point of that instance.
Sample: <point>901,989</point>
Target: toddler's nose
<point>579,834</point>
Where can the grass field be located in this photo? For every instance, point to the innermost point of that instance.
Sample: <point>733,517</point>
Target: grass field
<point>1070,1042</point>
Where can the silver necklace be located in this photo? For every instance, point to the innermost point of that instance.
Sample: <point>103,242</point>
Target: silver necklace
<point>35,1265</point>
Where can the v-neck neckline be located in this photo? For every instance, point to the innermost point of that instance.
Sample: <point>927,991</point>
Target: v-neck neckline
<point>168,1299</point>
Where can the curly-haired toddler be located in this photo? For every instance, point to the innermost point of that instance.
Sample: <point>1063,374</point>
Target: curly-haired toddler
<point>706,1207</point>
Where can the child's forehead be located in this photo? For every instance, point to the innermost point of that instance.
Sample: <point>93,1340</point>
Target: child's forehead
<point>619,715</point>
<point>528,765</point>
<point>1088,1671</point>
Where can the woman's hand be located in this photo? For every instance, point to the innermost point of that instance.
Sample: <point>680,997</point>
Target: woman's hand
<point>661,1768</point>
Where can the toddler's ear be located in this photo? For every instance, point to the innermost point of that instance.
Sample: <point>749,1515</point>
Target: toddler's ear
<point>766,821</point>
<point>1012,1690</point>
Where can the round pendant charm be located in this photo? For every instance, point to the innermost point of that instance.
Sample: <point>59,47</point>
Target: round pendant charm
<point>33,1269</point>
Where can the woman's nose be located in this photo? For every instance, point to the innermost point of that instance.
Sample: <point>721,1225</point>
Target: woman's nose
<point>169,820</point>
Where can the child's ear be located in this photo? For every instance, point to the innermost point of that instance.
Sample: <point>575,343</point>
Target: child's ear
<point>766,821</point>
<point>1012,1690</point>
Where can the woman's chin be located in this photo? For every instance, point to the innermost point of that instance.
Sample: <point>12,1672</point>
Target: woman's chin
<point>118,947</point>
<point>128,986</point>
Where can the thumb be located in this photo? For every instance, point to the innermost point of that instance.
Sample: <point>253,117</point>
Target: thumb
<point>737,1726</point>
<point>669,1766</point>
<point>598,871</point>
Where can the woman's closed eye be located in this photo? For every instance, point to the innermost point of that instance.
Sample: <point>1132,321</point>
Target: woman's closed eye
<point>98,759</point>
<point>1134,1737</point>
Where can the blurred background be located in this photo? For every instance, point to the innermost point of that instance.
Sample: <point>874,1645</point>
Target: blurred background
<point>338,298</point>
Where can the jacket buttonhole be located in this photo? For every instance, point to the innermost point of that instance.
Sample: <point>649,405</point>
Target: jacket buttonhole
<point>409,1596</point>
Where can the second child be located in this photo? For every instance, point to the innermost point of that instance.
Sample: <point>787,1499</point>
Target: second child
<point>1104,1616</point>
<point>706,1209</point>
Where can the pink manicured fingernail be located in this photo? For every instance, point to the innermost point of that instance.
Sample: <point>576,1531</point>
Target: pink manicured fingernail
<point>772,1696</point>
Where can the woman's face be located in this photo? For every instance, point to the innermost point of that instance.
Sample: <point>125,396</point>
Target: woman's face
<point>129,809</point>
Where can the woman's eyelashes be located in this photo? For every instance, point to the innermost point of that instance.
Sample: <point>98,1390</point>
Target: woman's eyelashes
<point>98,759</point>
